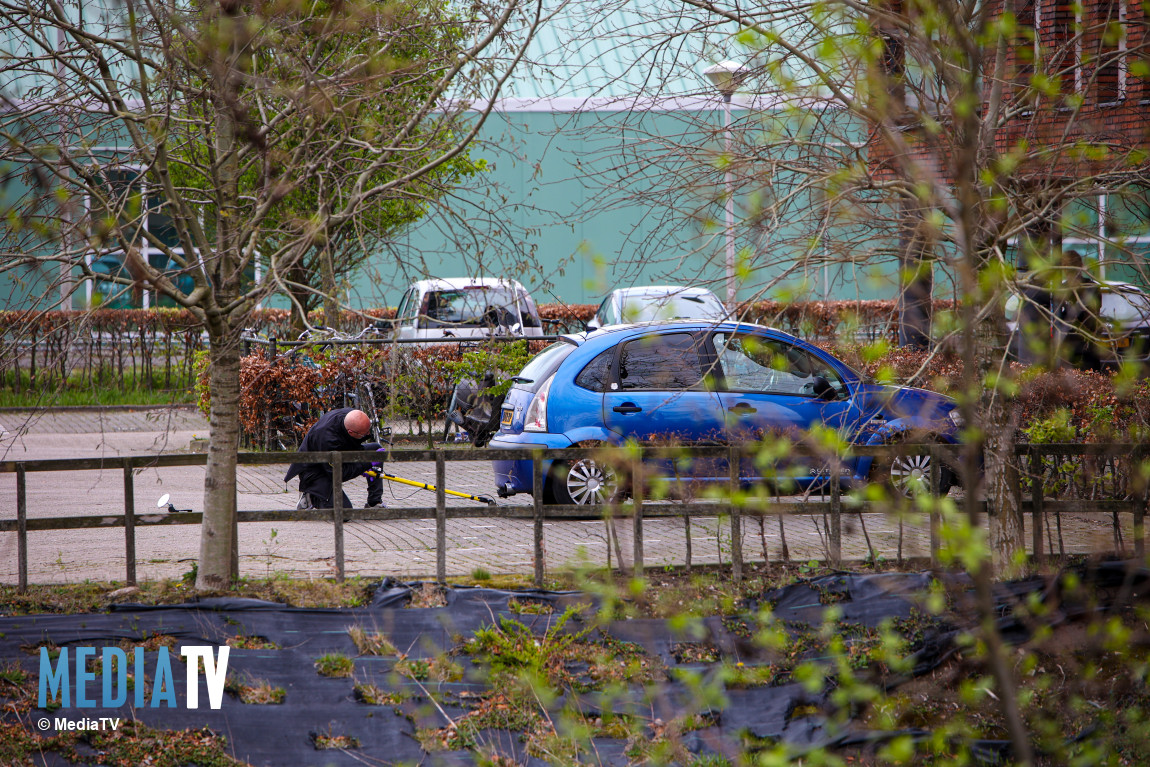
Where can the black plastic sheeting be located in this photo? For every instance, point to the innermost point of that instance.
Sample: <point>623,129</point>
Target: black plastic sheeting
<point>283,734</point>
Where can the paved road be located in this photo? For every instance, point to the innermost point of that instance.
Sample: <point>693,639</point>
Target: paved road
<point>402,548</point>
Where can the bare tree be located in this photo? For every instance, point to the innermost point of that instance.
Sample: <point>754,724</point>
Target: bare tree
<point>176,134</point>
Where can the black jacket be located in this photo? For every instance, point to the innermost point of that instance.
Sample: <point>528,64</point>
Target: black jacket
<point>327,434</point>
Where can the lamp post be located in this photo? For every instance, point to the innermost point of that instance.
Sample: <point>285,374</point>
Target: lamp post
<point>726,77</point>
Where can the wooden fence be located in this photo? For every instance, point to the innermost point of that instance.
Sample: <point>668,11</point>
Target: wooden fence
<point>631,467</point>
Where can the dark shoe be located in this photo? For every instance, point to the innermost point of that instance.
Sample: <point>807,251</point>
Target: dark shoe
<point>375,505</point>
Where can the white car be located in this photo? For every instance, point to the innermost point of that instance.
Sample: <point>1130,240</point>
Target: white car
<point>466,307</point>
<point>1124,312</point>
<point>654,303</point>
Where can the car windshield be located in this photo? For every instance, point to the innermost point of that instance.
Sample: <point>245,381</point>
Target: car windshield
<point>648,308</point>
<point>477,305</point>
<point>543,365</point>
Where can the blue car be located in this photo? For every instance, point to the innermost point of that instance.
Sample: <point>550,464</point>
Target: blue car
<point>697,383</point>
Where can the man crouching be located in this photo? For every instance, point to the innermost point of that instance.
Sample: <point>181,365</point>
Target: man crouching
<point>343,429</point>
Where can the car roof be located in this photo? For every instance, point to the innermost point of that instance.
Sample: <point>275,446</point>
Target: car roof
<point>578,339</point>
<point>659,290</point>
<point>459,283</point>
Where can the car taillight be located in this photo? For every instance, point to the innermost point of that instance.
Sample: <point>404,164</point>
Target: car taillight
<point>536,417</point>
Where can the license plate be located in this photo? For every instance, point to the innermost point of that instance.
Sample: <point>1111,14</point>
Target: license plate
<point>1122,343</point>
<point>505,420</point>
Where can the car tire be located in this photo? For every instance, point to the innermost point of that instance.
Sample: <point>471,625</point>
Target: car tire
<point>901,473</point>
<point>583,482</point>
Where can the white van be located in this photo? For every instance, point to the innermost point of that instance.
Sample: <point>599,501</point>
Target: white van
<point>466,307</point>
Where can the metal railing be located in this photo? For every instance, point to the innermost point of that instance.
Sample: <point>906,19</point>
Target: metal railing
<point>631,466</point>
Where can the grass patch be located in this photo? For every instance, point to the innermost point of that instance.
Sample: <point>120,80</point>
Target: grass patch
<point>441,669</point>
<point>376,696</point>
<point>243,642</point>
<point>335,665</point>
<point>428,595</point>
<point>48,389</point>
<point>131,743</point>
<point>256,692</point>
<point>91,597</point>
<point>375,643</point>
<point>530,607</point>
<point>481,575</point>
<point>328,741</point>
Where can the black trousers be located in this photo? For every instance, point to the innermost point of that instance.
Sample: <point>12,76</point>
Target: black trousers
<point>316,481</point>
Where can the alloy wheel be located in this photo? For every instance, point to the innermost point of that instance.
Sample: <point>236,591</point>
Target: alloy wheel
<point>589,483</point>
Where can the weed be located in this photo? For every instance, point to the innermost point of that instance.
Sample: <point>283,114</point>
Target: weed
<point>441,669</point>
<point>375,696</point>
<point>259,692</point>
<point>428,595</point>
<point>335,665</point>
<point>324,742</point>
<point>480,574</point>
<point>243,642</point>
<point>371,644</point>
<point>530,607</point>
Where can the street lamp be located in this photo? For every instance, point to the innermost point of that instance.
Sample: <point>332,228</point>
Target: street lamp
<point>726,76</point>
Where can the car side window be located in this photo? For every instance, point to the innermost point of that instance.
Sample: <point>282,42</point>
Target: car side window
<point>663,362</point>
<point>405,309</point>
<point>596,375</point>
<point>755,364</point>
<point>601,312</point>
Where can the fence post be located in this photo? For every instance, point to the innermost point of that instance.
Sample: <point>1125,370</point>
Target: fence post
<point>129,522</point>
<point>337,509</point>
<point>1037,491</point>
<point>1141,499</point>
<point>936,501</point>
<point>637,521</point>
<point>836,536</point>
<point>440,519</point>
<point>537,491</point>
<point>22,525</point>
<point>733,458</point>
<point>271,356</point>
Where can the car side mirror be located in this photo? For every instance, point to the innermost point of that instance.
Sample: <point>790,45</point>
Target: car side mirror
<point>823,390</point>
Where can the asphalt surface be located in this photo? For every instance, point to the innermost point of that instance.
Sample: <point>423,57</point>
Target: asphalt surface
<point>404,549</point>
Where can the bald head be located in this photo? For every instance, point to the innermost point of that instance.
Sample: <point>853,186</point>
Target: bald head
<point>357,424</point>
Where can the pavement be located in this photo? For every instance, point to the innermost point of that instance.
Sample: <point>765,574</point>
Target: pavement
<point>403,549</point>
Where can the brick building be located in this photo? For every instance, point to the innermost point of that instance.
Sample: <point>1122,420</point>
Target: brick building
<point>1068,89</point>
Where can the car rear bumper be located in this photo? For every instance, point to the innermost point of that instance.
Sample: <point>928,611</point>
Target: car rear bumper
<point>516,476</point>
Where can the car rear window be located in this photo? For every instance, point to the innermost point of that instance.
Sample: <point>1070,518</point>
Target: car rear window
<point>543,365</point>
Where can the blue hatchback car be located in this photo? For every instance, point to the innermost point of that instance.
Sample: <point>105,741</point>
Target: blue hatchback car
<point>698,383</point>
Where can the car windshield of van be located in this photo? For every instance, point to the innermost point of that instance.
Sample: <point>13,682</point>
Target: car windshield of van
<point>647,308</point>
<point>471,306</point>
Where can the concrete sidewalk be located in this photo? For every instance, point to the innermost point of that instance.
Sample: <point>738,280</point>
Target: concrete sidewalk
<point>402,548</point>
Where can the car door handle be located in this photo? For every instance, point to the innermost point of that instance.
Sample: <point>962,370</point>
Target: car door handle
<point>743,408</point>
<point>627,407</point>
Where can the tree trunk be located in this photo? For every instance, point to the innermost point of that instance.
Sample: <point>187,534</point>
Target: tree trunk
<point>330,302</point>
<point>1007,537</point>
<point>916,278</point>
<point>217,541</point>
<point>219,562</point>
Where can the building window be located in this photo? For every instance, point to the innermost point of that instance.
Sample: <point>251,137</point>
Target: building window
<point>1062,46</point>
<point>1110,30</point>
<point>1025,45</point>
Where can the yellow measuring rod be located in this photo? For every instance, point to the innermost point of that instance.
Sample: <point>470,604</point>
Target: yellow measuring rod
<point>424,486</point>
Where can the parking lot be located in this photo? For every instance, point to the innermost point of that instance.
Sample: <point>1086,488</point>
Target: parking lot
<point>404,549</point>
